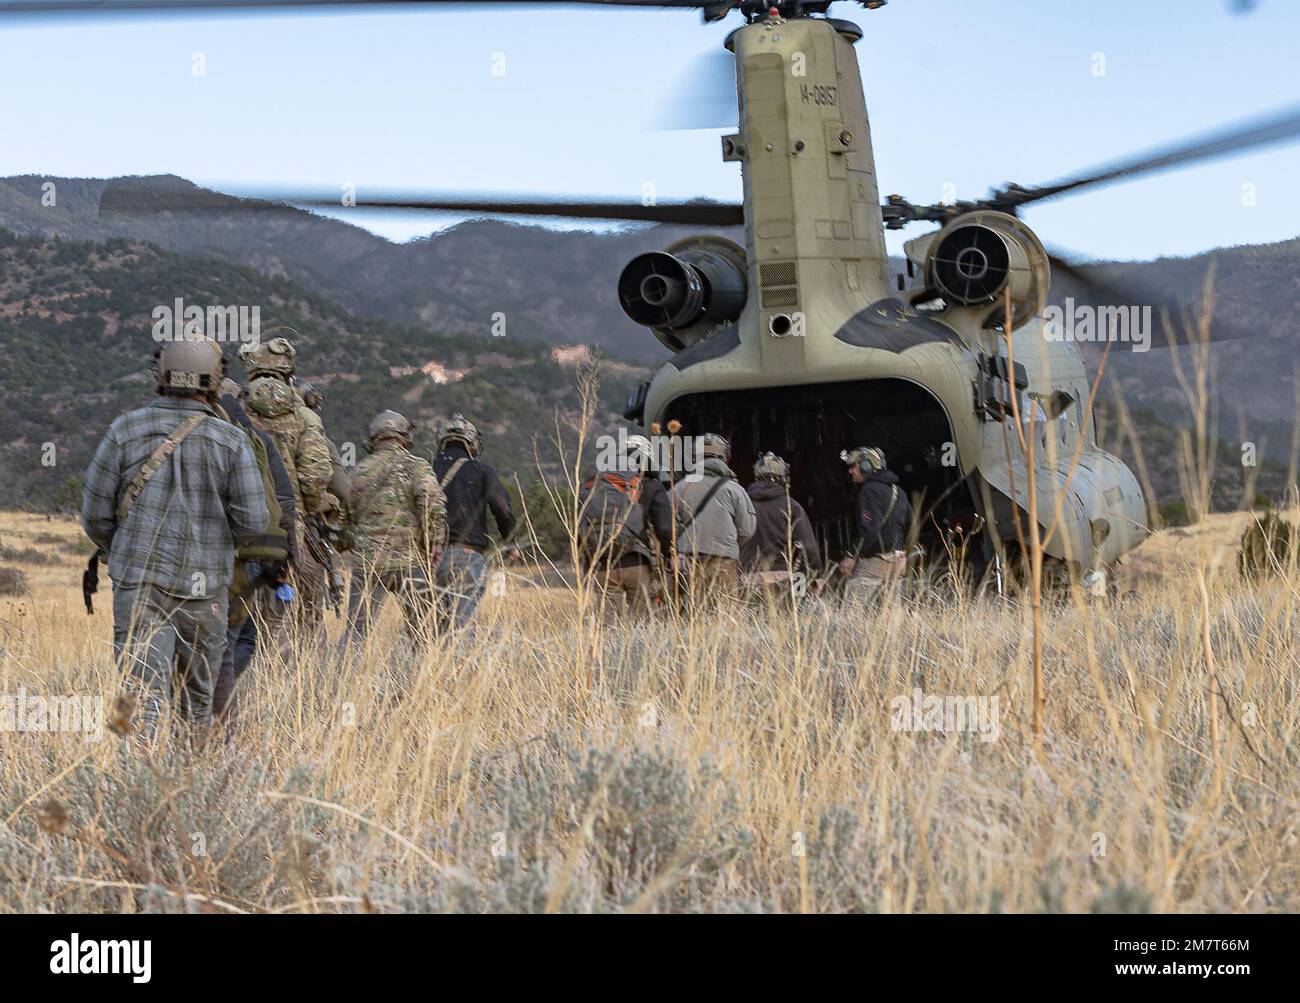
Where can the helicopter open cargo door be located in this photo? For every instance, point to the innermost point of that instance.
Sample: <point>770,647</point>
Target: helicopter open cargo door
<point>809,425</point>
<point>1102,514</point>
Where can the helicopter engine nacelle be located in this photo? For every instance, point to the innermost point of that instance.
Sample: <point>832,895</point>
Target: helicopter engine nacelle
<point>977,257</point>
<point>687,292</point>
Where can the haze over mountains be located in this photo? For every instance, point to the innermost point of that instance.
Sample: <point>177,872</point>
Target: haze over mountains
<point>553,286</point>
<point>76,297</point>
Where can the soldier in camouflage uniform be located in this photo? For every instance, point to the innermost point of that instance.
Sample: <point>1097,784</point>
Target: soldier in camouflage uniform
<point>340,485</point>
<point>274,407</point>
<point>399,528</point>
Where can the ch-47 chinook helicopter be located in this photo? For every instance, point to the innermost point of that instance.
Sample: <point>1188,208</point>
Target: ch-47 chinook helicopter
<point>802,342</point>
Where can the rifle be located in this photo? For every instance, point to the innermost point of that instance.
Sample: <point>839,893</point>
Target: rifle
<point>325,555</point>
<point>90,580</point>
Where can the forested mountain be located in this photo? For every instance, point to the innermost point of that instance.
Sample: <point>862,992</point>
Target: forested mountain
<point>76,339</point>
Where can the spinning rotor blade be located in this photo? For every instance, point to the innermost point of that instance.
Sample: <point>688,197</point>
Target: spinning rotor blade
<point>141,196</point>
<point>115,7</point>
<point>1116,292</point>
<point>703,97</point>
<point>1280,127</point>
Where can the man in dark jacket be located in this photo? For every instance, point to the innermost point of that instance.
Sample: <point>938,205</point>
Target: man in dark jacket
<point>472,489</point>
<point>241,626</point>
<point>783,532</point>
<point>877,560</point>
<point>620,545</point>
<point>655,501</point>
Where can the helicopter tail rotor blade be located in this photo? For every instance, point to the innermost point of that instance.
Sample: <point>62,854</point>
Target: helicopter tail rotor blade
<point>142,196</point>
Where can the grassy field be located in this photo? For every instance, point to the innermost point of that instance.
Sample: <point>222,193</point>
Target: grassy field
<point>733,761</point>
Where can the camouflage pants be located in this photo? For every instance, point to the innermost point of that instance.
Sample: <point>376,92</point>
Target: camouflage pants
<point>410,584</point>
<point>874,578</point>
<point>300,622</point>
<point>170,648</point>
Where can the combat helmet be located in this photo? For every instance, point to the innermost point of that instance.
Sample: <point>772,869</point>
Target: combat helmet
<point>390,425</point>
<point>714,445</point>
<point>865,458</point>
<point>190,366</point>
<point>276,357</point>
<point>460,429</point>
<point>770,467</point>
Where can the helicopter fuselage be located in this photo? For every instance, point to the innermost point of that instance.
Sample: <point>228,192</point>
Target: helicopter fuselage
<point>826,355</point>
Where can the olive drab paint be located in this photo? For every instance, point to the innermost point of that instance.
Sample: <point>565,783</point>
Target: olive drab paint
<point>817,269</point>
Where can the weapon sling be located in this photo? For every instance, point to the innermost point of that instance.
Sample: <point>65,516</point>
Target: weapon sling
<point>151,466</point>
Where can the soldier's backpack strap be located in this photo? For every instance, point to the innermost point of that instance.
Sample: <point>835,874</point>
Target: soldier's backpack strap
<point>893,500</point>
<point>155,461</point>
<point>884,520</point>
<point>452,471</point>
<point>690,517</point>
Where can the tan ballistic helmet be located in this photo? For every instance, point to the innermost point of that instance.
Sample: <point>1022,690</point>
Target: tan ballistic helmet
<point>391,425</point>
<point>275,357</point>
<point>716,446</point>
<point>865,458</point>
<point>190,367</point>
<point>771,467</point>
<point>460,429</point>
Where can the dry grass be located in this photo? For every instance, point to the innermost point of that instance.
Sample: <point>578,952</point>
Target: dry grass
<point>735,761</point>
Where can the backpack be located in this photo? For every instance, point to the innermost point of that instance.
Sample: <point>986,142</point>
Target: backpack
<point>273,544</point>
<point>611,521</point>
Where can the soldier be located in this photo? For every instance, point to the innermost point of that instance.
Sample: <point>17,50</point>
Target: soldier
<point>877,561</point>
<point>261,566</point>
<point>171,492</point>
<point>716,517</point>
<point>783,543</point>
<point>340,485</point>
<point>655,503</point>
<point>472,489</point>
<point>621,517</point>
<point>274,408</point>
<point>398,520</point>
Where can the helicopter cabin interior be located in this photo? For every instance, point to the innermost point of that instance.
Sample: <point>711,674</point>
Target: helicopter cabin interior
<point>809,425</point>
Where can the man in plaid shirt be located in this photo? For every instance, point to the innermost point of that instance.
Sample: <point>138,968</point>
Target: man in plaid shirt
<point>171,554</point>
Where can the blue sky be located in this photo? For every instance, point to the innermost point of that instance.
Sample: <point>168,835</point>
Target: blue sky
<point>960,92</point>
